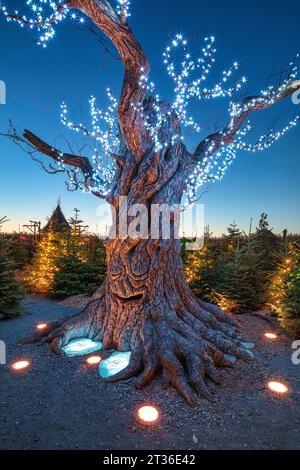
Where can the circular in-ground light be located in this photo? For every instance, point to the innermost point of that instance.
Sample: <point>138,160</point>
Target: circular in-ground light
<point>93,360</point>
<point>278,388</point>
<point>271,335</point>
<point>41,326</point>
<point>147,414</point>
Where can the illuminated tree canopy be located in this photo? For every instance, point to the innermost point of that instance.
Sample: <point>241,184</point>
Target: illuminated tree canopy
<point>139,151</point>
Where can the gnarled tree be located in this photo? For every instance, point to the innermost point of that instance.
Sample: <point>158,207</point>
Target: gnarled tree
<point>145,305</point>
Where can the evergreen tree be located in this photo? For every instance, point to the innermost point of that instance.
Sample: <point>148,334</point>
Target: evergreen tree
<point>290,317</point>
<point>202,268</point>
<point>75,276</point>
<point>242,281</point>
<point>11,292</point>
<point>98,258</point>
<point>53,246</point>
<point>22,252</point>
<point>76,242</point>
<point>267,244</point>
<point>233,236</point>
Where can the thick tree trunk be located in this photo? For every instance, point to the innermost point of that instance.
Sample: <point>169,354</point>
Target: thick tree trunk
<point>145,306</point>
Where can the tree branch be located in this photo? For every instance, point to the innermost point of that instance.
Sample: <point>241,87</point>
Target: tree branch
<point>135,61</point>
<point>33,144</point>
<point>80,162</point>
<point>240,114</point>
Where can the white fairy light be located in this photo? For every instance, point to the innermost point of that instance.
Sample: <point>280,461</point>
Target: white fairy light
<point>105,137</point>
<point>163,123</point>
<point>123,8</point>
<point>43,16</point>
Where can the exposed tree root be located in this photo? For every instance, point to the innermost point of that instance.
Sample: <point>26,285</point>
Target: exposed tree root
<point>174,333</point>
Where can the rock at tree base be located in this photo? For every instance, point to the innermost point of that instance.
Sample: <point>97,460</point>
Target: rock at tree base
<point>229,358</point>
<point>82,346</point>
<point>248,345</point>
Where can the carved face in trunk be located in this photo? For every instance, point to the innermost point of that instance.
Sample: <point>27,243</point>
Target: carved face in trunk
<point>129,267</point>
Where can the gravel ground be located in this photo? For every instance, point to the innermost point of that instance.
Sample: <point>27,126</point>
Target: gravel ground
<point>61,403</point>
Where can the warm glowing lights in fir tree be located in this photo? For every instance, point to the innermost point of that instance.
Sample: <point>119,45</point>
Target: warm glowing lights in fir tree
<point>279,283</point>
<point>194,262</point>
<point>40,276</point>
<point>20,365</point>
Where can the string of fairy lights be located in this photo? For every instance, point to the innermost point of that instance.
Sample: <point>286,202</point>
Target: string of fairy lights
<point>106,138</point>
<point>190,77</point>
<point>44,15</point>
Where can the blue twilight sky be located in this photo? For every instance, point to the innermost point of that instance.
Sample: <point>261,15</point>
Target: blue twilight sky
<point>262,35</point>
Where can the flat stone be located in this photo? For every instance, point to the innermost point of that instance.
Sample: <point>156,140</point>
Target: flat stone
<point>250,354</point>
<point>114,364</point>
<point>81,347</point>
<point>248,345</point>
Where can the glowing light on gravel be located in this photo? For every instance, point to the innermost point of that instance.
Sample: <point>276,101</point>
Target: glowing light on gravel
<point>147,415</point>
<point>278,387</point>
<point>93,360</point>
<point>114,364</point>
<point>20,365</point>
<point>82,346</point>
<point>271,336</point>
<point>42,326</point>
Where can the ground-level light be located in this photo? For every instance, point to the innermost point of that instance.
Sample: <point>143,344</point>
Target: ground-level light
<point>278,388</point>
<point>20,365</point>
<point>41,326</point>
<point>116,362</point>
<point>147,415</point>
<point>81,346</point>
<point>93,360</point>
<point>270,335</point>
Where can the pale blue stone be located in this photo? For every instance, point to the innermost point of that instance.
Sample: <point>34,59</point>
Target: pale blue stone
<point>114,364</point>
<point>248,345</point>
<point>81,347</point>
<point>250,354</point>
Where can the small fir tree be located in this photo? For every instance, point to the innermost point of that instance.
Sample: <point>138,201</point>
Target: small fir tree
<point>202,268</point>
<point>76,242</point>
<point>267,244</point>
<point>11,292</point>
<point>242,281</point>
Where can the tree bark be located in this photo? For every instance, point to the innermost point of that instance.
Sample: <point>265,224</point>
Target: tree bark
<point>145,305</point>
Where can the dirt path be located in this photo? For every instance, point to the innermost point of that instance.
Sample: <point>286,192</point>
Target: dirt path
<point>61,403</point>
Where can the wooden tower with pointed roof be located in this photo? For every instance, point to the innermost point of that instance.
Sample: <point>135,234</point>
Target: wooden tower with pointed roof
<point>57,221</point>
